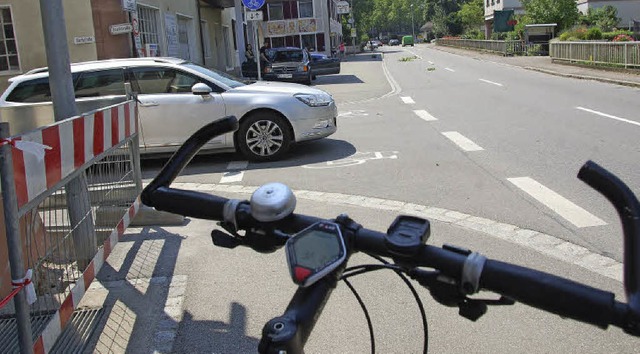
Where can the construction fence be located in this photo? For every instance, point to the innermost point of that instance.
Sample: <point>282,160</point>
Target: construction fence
<point>69,190</point>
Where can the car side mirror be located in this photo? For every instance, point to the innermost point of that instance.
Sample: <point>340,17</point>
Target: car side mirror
<point>201,89</point>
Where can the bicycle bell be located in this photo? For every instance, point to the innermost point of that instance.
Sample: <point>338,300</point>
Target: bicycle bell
<point>272,202</point>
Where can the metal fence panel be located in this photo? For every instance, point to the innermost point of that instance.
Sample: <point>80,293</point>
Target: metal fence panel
<point>616,54</point>
<point>107,154</point>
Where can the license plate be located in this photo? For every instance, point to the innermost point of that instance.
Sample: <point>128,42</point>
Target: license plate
<point>285,76</point>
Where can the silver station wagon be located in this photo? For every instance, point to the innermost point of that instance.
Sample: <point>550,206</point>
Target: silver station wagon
<point>177,97</point>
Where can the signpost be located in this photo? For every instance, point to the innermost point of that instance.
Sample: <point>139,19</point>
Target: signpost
<point>120,28</point>
<point>254,16</point>
<point>129,5</point>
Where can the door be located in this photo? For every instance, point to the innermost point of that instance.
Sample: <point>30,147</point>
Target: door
<point>169,112</point>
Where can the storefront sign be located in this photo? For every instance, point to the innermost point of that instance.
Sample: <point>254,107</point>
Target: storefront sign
<point>120,29</point>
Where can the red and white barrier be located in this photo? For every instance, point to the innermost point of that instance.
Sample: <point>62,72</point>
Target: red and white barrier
<point>56,325</point>
<point>73,143</point>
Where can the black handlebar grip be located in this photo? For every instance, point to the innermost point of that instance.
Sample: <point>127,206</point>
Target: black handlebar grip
<point>188,203</point>
<point>550,293</point>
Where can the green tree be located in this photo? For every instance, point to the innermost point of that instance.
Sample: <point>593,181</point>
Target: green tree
<point>605,17</point>
<point>563,12</point>
<point>471,14</point>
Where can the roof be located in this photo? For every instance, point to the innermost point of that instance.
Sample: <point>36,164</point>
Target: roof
<point>542,25</point>
<point>101,64</point>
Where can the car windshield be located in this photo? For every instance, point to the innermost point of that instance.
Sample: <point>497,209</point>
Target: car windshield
<point>279,56</point>
<point>220,76</point>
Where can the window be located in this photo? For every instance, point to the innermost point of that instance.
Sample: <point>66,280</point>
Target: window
<point>183,37</point>
<point>31,91</point>
<point>163,80</point>
<point>309,41</point>
<point>277,42</point>
<point>305,8</point>
<point>487,3</point>
<point>276,12</point>
<point>148,26</point>
<point>8,48</point>
<point>100,83</point>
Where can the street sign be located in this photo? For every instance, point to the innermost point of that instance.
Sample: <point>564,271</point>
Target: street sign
<point>342,7</point>
<point>129,5</point>
<point>120,28</point>
<point>84,40</point>
<point>353,33</point>
<point>254,16</point>
<point>253,4</point>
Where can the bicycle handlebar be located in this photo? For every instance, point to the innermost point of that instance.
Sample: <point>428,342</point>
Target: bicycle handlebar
<point>470,271</point>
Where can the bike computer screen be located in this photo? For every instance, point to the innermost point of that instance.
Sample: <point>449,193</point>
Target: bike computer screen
<point>314,252</point>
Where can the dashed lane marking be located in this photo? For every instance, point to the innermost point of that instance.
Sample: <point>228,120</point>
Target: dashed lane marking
<point>491,82</point>
<point>540,242</point>
<point>235,172</point>
<point>609,116</point>
<point>449,69</point>
<point>462,141</point>
<point>554,201</point>
<point>407,100</point>
<point>425,115</point>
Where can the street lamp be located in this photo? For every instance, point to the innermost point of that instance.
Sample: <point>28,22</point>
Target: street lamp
<point>413,32</point>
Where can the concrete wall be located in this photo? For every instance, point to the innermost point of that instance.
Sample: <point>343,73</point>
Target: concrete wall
<point>30,39</point>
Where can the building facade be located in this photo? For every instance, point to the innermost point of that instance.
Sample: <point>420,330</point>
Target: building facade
<point>491,6</point>
<point>628,10</point>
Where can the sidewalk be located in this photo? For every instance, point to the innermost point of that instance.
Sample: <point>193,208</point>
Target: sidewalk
<point>546,65</point>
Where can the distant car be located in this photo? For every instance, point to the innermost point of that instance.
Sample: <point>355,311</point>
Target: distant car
<point>407,40</point>
<point>177,97</point>
<point>321,64</point>
<point>377,43</point>
<point>394,42</point>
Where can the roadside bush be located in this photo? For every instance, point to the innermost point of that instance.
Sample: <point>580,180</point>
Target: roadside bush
<point>611,35</point>
<point>473,34</point>
<point>623,38</point>
<point>593,33</point>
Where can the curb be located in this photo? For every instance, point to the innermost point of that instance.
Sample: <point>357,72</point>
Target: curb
<point>582,77</point>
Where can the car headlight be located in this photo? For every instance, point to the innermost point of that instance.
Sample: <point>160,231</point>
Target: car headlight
<point>314,100</point>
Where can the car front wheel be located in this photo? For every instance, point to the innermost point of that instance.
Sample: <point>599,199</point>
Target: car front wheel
<point>264,137</point>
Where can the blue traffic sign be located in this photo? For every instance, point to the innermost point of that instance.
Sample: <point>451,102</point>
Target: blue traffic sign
<point>253,4</point>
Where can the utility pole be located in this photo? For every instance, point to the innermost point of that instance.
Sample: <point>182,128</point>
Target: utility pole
<point>413,32</point>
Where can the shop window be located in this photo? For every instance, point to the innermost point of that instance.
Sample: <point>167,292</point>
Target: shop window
<point>148,26</point>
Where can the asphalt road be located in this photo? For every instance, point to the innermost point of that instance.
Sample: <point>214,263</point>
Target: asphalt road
<point>399,143</point>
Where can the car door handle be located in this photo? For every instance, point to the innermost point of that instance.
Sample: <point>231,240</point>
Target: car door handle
<point>149,104</point>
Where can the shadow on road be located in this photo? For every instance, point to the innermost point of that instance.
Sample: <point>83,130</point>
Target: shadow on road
<point>337,79</point>
<point>306,153</point>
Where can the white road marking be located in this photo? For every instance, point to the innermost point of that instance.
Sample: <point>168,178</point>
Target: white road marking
<point>609,116</point>
<point>562,206</point>
<point>453,71</point>
<point>357,112</point>
<point>463,142</point>
<point>425,115</point>
<point>407,100</point>
<point>491,82</point>
<point>236,172</point>
<point>430,62</point>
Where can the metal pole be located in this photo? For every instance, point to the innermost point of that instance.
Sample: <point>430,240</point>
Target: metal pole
<point>64,106</point>
<point>14,246</point>
<point>258,62</point>
<point>413,32</point>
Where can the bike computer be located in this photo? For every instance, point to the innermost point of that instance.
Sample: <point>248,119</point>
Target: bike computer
<point>315,252</point>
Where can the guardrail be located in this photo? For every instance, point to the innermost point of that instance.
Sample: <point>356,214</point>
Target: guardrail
<point>42,233</point>
<point>622,54</point>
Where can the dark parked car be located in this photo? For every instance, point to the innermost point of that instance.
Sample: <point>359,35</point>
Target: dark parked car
<point>394,42</point>
<point>285,64</point>
<point>322,64</point>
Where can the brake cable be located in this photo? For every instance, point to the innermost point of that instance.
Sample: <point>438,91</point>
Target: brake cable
<point>361,269</point>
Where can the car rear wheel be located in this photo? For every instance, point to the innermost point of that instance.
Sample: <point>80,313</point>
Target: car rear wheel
<point>264,136</point>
